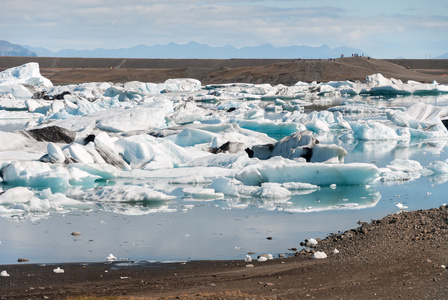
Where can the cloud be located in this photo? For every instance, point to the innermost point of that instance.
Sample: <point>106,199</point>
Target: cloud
<point>88,24</point>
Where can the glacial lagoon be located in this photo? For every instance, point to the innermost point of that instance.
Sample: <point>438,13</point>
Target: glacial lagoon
<point>191,212</point>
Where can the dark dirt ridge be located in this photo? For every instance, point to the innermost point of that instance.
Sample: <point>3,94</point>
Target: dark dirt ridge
<point>400,256</point>
<point>63,71</point>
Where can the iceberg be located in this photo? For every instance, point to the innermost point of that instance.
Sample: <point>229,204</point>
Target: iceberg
<point>148,144</point>
<point>281,170</point>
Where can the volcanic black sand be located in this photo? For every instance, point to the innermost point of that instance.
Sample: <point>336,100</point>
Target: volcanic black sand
<point>402,256</point>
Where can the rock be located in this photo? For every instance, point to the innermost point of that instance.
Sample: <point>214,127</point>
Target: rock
<point>23,259</point>
<point>76,233</point>
<point>229,147</point>
<point>53,134</point>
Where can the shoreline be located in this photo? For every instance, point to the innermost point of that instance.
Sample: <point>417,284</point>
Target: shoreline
<point>401,255</point>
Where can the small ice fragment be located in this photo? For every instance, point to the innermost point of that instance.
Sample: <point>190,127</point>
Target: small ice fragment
<point>111,257</point>
<point>262,258</point>
<point>319,255</point>
<point>335,251</point>
<point>250,266</point>
<point>124,277</point>
<point>248,258</point>
<point>270,257</point>
<point>401,206</point>
<point>4,274</point>
<point>313,242</point>
<point>333,186</point>
<point>58,270</point>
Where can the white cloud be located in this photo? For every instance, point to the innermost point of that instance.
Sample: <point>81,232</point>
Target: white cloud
<point>88,24</point>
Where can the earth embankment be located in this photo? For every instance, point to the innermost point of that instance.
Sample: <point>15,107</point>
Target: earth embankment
<point>274,71</point>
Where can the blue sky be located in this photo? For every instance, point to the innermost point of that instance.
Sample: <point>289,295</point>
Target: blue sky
<point>383,29</point>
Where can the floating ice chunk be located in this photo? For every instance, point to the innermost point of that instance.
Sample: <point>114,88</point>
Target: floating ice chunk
<point>80,154</point>
<point>281,170</point>
<point>202,193</point>
<point>438,167</point>
<point>111,257</point>
<point>55,153</point>
<point>132,119</point>
<point>4,274</point>
<point>377,131</point>
<point>328,153</point>
<point>106,148</point>
<point>402,170</point>
<point>11,141</point>
<point>224,185</point>
<point>188,113</point>
<point>319,255</point>
<point>293,146</point>
<point>421,111</point>
<point>248,258</point>
<point>182,85</point>
<point>406,165</point>
<point>272,191</point>
<point>58,270</point>
<point>16,195</point>
<point>25,74</point>
<point>401,206</point>
<point>35,174</point>
<point>144,151</point>
<point>103,171</point>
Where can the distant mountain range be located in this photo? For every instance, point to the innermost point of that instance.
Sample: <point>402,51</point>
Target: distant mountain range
<point>196,50</point>
<point>191,50</point>
<point>8,49</point>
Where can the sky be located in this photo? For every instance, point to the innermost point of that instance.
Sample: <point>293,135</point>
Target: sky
<point>381,28</point>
